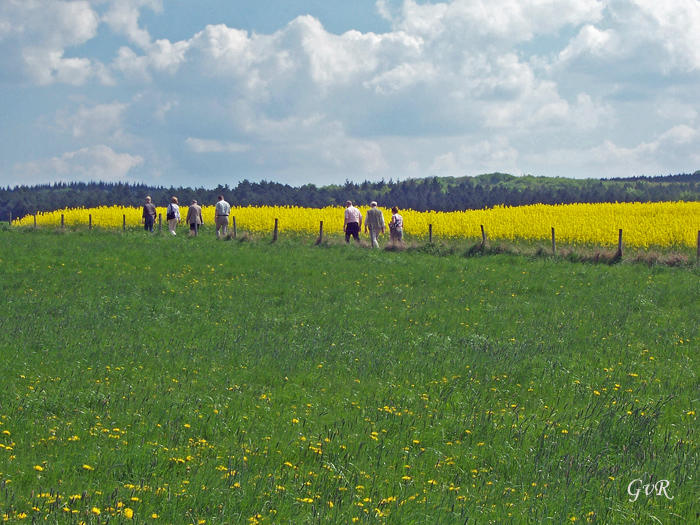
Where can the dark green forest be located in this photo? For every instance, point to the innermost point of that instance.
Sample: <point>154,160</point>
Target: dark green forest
<point>434,193</point>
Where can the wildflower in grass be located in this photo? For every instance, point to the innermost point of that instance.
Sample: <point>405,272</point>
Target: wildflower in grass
<point>38,468</point>
<point>154,516</point>
<point>128,513</point>
<point>95,511</point>
<point>87,467</point>
<point>564,431</point>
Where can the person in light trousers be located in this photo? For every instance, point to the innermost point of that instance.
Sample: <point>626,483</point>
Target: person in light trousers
<point>221,212</point>
<point>173,215</point>
<point>374,221</point>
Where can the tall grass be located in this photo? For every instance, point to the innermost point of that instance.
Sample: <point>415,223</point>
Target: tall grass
<point>183,380</point>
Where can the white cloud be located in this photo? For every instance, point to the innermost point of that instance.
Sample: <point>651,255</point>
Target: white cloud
<point>94,123</point>
<point>481,156</point>
<point>98,163</point>
<point>215,146</point>
<point>36,34</point>
<point>506,20</point>
<point>591,41</point>
<point>669,152</point>
<point>454,86</point>
<point>123,18</point>
<point>164,108</point>
<point>675,110</point>
<point>651,35</point>
<point>672,26</point>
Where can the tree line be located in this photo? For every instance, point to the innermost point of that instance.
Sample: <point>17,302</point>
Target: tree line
<point>433,193</point>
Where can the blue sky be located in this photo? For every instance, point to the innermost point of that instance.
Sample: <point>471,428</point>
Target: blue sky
<point>208,92</point>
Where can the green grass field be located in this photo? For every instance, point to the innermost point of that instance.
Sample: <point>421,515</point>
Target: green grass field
<point>172,380</point>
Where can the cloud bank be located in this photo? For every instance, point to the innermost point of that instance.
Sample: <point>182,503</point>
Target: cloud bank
<point>568,87</point>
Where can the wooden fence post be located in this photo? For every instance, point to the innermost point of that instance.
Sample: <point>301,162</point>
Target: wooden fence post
<point>619,244</point>
<point>698,250</point>
<point>320,234</point>
<point>234,227</point>
<point>430,233</point>
<point>554,243</point>
<point>160,222</point>
<point>35,221</point>
<point>483,236</point>
<point>124,222</point>
<point>274,233</point>
<point>90,221</point>
<point>63,221</point>
<point>10,223</point>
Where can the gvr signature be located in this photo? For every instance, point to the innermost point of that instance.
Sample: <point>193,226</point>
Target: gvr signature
<point>637,486</point>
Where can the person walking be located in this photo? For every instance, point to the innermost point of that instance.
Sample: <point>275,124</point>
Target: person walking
<point>149,215</point>
<point>221,212</point>
<point>173,215</point>
<point>396,226</point>
<point>194,218</point>
<point>352,223</point>
<point>374,221</point>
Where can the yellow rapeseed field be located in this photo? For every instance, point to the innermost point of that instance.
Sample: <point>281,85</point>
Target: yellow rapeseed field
<point>644,225</point>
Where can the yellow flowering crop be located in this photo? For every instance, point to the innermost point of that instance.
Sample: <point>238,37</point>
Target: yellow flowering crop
<point>663,224</point>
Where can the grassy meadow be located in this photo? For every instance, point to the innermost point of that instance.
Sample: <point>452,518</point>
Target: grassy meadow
<point>152,379</point>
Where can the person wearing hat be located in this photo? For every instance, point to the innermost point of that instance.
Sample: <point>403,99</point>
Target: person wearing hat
<point>194,217</point>
<point>353,222</point>
<point>374,221</point>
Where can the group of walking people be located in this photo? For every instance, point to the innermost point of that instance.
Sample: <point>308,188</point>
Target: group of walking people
<point>374,223</point>
<point>374,220</point>
<point>222,210</point>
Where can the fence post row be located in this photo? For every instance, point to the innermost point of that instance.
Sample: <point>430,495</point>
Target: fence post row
<point>275,233</point>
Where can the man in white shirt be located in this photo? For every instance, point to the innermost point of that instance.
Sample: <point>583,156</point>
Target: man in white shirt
<point>353,222</point>
<point>221,212</point>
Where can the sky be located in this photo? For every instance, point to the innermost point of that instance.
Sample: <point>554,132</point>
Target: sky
<point>206,92</point>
